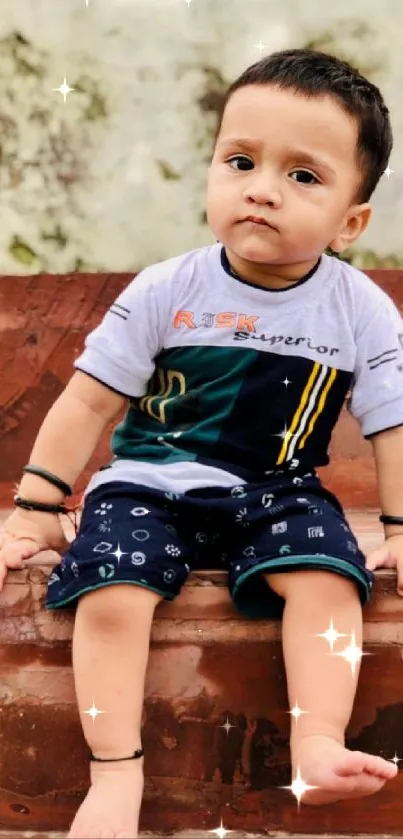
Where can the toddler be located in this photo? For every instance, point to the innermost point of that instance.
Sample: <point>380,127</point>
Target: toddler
<point>233,362</point>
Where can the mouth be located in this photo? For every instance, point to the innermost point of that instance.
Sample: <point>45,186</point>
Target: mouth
<point>259,220</point>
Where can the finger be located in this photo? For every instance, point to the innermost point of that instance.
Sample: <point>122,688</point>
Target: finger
<point>378,559</point>
<point>3,574</point>
<point>14,554</point>
<point>400,577</point>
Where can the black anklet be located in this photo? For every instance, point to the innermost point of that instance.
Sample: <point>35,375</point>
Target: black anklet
<point>137,753</point>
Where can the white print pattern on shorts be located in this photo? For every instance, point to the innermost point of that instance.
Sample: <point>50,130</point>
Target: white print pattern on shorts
<point>139,511</point>
<point>106,571</point>
<point>238,492</point>
<point>279,527</point>
<point>138,558</point>
<point>169,576</point>
<point>102,511</point>
<point>316,532</point>
<point>102,547</point>
<point>141,535</point>
<point>241,517</point>
<point>172,550</point>
<point>105,526</point>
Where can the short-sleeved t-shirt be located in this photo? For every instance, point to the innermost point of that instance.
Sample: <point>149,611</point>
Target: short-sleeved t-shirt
<point>229,382</point>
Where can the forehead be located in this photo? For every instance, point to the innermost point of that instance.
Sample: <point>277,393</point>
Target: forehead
<point>274,117</point>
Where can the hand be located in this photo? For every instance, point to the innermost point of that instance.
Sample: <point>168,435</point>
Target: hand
<point>26,533</point>
<point>389,555</point>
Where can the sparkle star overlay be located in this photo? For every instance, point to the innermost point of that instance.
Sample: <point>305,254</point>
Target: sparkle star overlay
<point>331,635</point>
<point>64,89</point>
<point>227,725</point>
<point>93,712</point>
<point>220,832</point>
<point>299,787</point>
<point>260,46</point>
<point>352,654</point>
<point>297,712</point>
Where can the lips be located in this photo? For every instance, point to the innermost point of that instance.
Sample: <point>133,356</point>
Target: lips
<point>258,220</point>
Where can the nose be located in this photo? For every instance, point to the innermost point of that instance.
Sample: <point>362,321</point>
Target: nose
<point>263,189</point>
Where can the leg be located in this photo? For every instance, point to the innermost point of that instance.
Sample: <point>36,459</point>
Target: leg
<point>110,654</point>
<point>324,686</point>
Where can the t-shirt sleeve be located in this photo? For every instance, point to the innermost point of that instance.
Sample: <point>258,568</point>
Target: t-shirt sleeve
<point>120,352</point>
<point>377,389</point>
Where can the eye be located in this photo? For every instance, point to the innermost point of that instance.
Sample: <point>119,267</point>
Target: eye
<point>239,157</point>
<point>306,176</point>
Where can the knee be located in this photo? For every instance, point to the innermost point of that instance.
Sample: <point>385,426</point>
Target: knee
<point>319,584</point>
<point>117,605</point>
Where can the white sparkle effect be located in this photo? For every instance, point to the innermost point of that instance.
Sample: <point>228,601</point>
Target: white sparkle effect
<point>352,654</point>
<point>221,832</point>
<point>297,712</point>
<point>285,435</point>
<point>260,46</point>
<point>388,172</point>
<point>299,787</point>
<point>93,712</point>
<point>286,382</point>
<point>64,89</point>
<point>331,635</point>
<point>227,725</point>
<point>118,553</point>
<point>395,759</point>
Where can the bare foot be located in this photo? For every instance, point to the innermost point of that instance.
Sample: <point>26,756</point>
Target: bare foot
<point>337,772</point>
<point>111,807</point>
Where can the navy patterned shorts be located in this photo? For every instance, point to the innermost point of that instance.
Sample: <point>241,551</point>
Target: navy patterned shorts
<point>133,534</point>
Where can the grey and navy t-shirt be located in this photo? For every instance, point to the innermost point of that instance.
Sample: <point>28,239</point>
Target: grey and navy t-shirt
<point>229,382</point>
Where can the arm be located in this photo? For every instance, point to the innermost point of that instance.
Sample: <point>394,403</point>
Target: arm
<point>388,454</point>
<point>69,435</point>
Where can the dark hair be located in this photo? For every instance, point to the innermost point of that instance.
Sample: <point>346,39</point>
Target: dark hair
<point>315,74</point>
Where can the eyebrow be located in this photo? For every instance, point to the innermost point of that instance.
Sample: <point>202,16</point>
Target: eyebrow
<point>298,153</point>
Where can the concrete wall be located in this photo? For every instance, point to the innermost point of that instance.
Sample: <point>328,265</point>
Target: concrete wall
<point>114,178</point>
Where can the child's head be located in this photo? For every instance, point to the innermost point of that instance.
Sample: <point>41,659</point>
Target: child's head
<point>311,138</point>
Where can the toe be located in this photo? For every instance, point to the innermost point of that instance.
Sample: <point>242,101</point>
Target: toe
<point>375,765</point>
<point>350,763</point>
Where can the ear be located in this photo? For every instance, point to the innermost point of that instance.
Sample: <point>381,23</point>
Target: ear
<point>353,226</point>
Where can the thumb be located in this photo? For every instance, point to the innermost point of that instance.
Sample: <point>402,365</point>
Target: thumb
<point>15,552</point>
<point>380,558</point>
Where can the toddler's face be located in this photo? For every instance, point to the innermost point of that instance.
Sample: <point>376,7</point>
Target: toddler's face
<point>292,161</point>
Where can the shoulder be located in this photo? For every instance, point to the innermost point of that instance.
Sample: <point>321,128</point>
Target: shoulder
<point>169,273</point>
<point>359,293</point>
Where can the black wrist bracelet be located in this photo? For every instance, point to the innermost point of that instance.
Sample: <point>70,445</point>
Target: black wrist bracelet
<point>391,519</point>
<point>48,476</point>
<point>40,506</point>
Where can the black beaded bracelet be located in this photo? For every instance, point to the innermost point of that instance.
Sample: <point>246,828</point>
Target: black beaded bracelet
<point>40,506</point>
<point>391,519</point>
<point>53,479</point>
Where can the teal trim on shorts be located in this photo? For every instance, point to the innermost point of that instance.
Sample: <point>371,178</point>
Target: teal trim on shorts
<point>301,562</point>
<point>164,594</point>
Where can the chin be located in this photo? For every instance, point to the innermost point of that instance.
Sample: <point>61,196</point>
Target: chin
<point>263,256</point>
